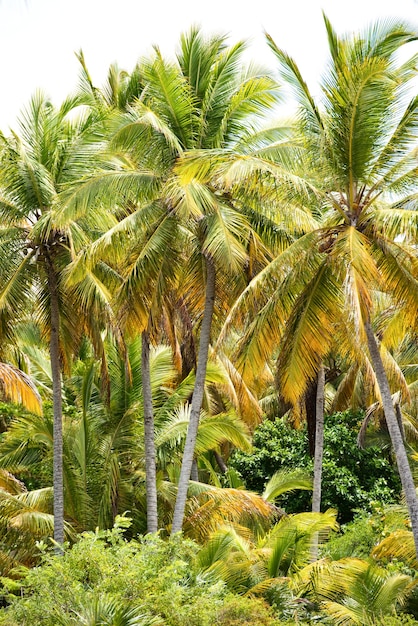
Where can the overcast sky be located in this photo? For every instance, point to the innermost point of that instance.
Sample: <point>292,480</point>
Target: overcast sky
<point>39,37</point>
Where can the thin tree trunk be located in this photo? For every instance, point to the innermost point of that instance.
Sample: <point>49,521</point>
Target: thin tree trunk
<point>399,418</point>
<point>319,442</point>
<point>58,483</point>
<point>189,447</point>
<point>319,452</point>
<point>394,432</point>
<point>309,401</point>
<point>221,463</point>
<point>194,472</point>
<point>149,441</point>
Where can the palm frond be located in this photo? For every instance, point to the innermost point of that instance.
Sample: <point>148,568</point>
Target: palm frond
<point>208,508</point>
<point>311,328</point>
<point>19,388</point>
<point>285,481</point>
<point>213,430</point>
<point>292,75</point>
<point>398,545</point>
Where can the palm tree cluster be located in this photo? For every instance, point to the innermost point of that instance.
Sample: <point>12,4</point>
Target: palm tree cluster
<point>169,255</point>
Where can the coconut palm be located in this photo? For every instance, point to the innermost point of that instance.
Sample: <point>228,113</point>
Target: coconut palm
<point>202,102</point>
<point>357,164</point>
<point>365,132</point>
<point>120,90</point>
<point>25,519</point>
<point>52,150</point>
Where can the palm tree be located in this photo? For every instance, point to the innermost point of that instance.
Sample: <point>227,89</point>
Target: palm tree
<point>364,135</point>
<point>104,449</point>
<point>25,520</point>
<point>356,168</point>
<point>106,609</point>
<point>319,450</point>
<point>52,150</point>
<point>202,103</point>
<point>256,563</point>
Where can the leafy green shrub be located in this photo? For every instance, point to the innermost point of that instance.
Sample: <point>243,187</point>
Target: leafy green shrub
<point>151,575</point>
<point>400,620</point>
<point>237,611</point>
<point>352,478</point>
<point>356,540</point>
<point>104,579</point>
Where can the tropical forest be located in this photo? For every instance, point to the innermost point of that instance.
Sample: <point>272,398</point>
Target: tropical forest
<point>209,341</point>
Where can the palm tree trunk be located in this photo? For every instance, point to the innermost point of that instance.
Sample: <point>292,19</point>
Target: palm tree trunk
<point>319,452</point>
<point>149,442</point>
<point>319,442</point>
<point>221,463</point>
<point>310,410</point>
<point>394,432</point>
<point>199,387</point>
<point>194,472</point>
<point>58,483</point>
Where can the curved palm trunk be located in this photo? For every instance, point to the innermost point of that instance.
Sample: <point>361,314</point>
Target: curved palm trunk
<point>189,447</point>
<point>58,483</point>
<point>394,432</point>
<point>319,452</point>
<point>149,440</point>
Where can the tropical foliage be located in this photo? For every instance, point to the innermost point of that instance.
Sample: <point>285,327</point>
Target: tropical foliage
<point>195,303</point>
<point>352,479</point>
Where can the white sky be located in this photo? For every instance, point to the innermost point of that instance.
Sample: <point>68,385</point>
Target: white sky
<point>39,37</point>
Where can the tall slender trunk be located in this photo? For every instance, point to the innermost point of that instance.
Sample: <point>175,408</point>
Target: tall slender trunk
<point>319,452</point>
<point>58,482</point>
<point>199,387</point>
<point>194,472</point>
<point>310,409</point>
<point>394,432</point>
<point>319,442</point>
<point>149,441</point>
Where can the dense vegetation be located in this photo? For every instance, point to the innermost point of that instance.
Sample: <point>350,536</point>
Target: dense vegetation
<point>208,324</point>
<point>352,478</point>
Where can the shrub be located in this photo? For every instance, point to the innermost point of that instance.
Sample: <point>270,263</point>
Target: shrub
<point>352,478</point>
<point>150,575</point>
<point>400,620</point>
<point>237,611</point>
<point>149,582</point>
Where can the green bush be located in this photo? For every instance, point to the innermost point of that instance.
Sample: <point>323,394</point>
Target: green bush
<point>357,540</point>
<point>400,620</point>
<point>352,478</point>
<point>151,575</point>
<point>106,579</point>
<point>237,611</point>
